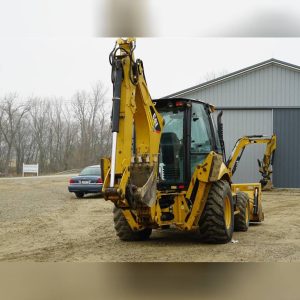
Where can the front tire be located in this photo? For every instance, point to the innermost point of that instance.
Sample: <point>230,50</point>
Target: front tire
<point>216,222</point>
<point>123,230</point>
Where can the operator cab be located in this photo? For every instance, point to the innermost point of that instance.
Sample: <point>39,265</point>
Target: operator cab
<point>189,134</point>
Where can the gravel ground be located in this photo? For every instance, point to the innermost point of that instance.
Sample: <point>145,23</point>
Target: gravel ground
<point>42,221</point>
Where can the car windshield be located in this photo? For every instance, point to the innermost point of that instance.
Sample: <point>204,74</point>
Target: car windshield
<point>92,171</point>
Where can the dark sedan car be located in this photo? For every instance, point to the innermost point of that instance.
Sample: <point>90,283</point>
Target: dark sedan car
<point>88,181</point>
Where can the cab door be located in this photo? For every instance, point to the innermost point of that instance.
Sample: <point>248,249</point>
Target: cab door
<point>202,139</point>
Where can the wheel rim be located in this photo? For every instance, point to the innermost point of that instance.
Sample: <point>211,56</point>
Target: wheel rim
<point>227,212</point>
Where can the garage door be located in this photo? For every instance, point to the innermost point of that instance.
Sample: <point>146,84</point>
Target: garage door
<point>238,123</point>
<point>287,155</point>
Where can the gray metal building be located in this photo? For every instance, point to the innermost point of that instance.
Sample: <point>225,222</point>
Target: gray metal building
<point>261,99</point>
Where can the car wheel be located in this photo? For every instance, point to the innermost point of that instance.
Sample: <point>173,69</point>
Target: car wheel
<point>79,195</point>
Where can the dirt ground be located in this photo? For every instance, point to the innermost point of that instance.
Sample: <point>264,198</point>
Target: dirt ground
<point>41,221</point>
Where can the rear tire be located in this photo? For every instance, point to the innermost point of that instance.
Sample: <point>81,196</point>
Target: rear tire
<point>123,230</point>
<point>79,195</point>
<point>242,219</point>
<point>217,222</point>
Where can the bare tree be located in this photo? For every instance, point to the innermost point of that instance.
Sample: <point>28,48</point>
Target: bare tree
<point>90,114</point>
<point>11,117</point>
<point>56,135</point>
<point>70,141</point>
<point>62,138</point>
<point>24,145</point>
<point>2,142</point>
<point>41,129</point>
<point>213,75</point>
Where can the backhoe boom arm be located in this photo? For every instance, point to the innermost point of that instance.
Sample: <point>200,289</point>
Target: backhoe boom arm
<point>264,165</point>
<point>130,174</point>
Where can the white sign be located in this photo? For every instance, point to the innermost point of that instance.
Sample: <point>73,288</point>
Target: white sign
<point>31,169</point>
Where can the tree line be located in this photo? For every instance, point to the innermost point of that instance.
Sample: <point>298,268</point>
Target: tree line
<point>58,135</point>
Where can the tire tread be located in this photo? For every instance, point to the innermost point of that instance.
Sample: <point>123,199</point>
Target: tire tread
<point>212,223</point>
<point>123,230</point>
<point>242,201</point>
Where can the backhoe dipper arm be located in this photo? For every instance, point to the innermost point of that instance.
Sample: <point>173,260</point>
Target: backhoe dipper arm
<point>264,166</point>
<point>130,176</point>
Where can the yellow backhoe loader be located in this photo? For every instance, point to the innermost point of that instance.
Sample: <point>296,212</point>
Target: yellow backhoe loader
<point>168,166</point>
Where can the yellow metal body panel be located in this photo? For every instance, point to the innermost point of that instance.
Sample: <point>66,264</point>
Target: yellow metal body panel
<point>198,206</point>
<point>186,217</point>
<point>138,111</point>
<point>179,209</point>
<point>245,141</point>
<point>105,168</point>
<point>254,191</point>
<point>224,173</point>
<point>131,221</point>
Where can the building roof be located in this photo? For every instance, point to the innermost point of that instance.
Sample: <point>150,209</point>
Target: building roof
<point>271,61</point>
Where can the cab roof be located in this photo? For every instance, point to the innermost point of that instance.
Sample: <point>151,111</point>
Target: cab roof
<point>162,100</point>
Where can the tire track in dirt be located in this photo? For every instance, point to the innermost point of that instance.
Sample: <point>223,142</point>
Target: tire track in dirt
<point>46,223</point>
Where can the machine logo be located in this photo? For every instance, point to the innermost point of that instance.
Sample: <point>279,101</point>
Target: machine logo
<point>155,120</point>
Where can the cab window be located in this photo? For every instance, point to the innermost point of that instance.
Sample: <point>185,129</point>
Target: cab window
<point>201,135</point>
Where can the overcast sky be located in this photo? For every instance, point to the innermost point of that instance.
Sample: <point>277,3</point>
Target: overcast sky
<point>161,18</point>
<point>60,66</point>
<point>49,47</point>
